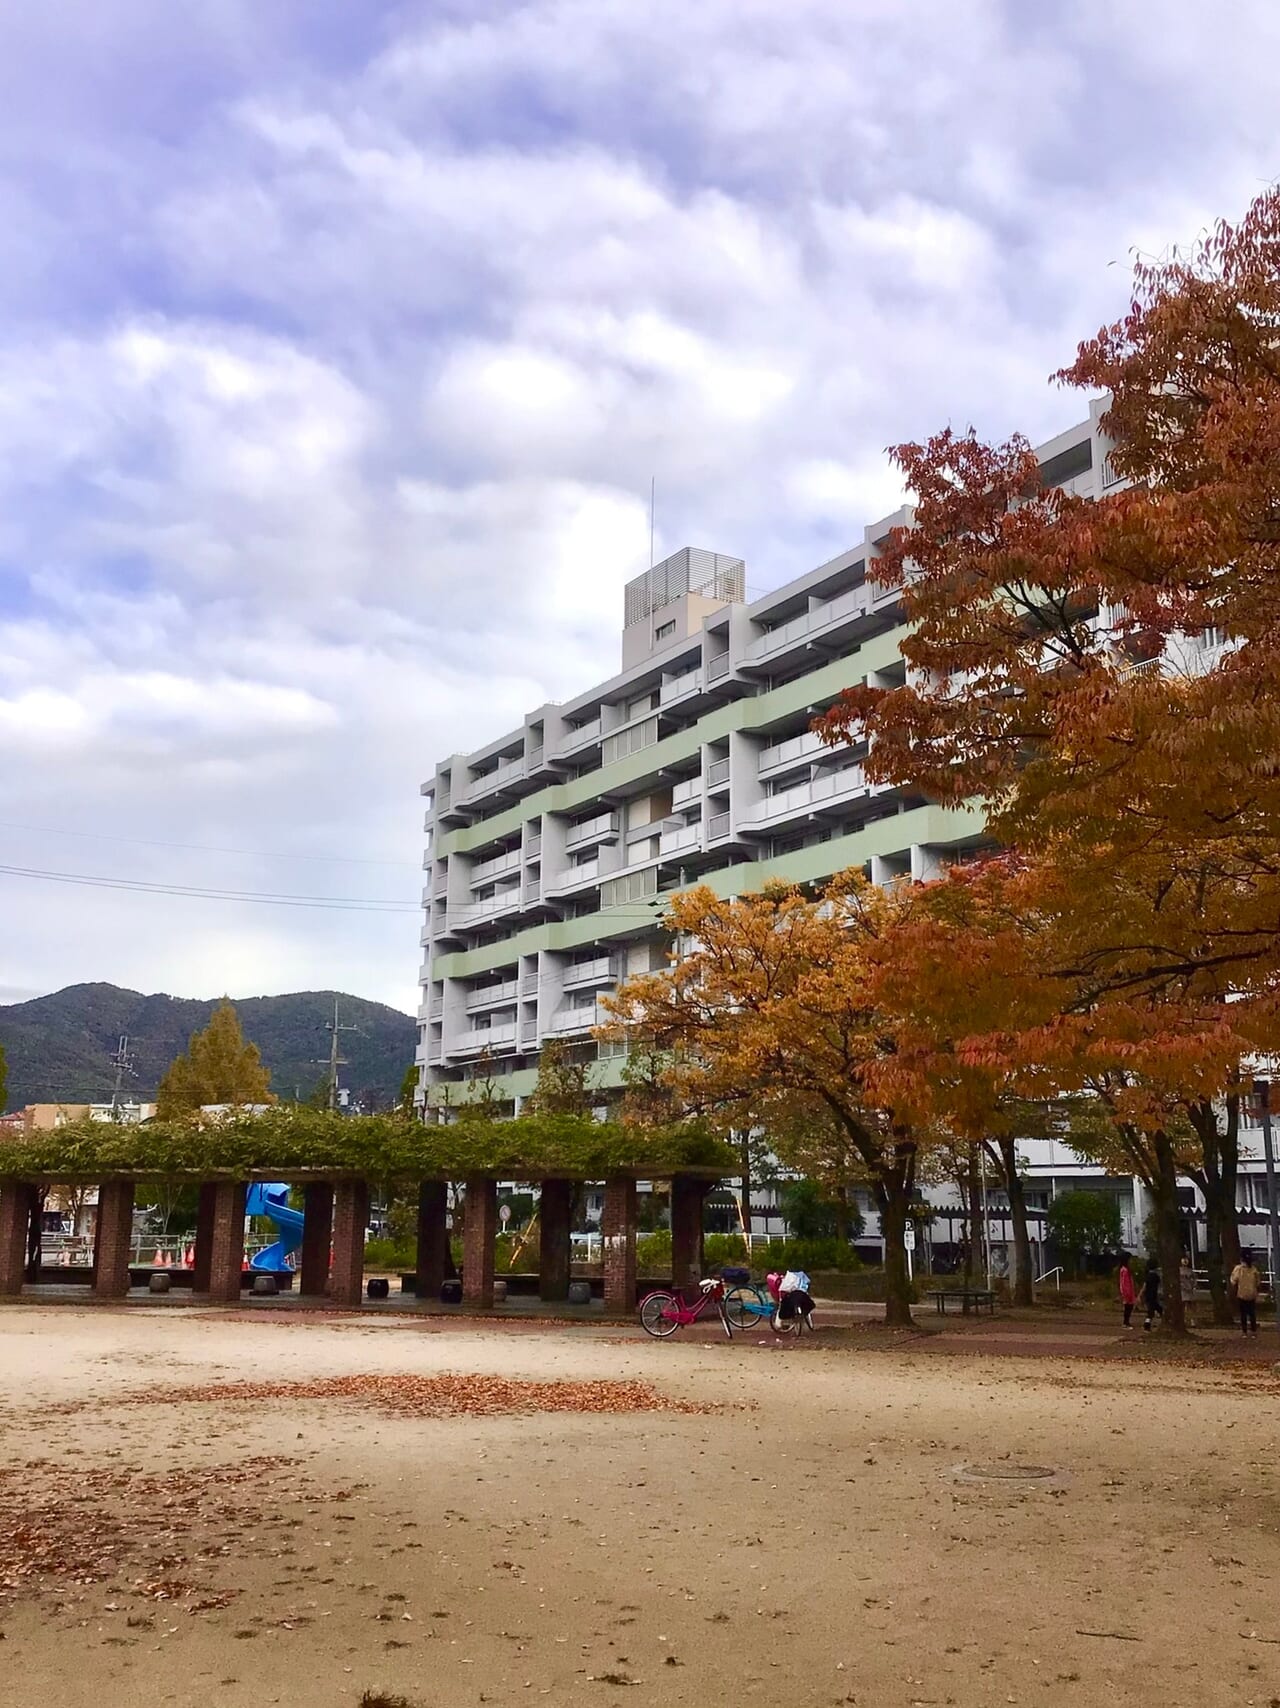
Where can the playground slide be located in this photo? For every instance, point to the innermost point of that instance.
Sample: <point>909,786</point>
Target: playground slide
<point>271,1199</point>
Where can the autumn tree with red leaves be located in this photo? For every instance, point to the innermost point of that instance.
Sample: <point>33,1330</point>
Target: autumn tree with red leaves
<point>1057,672</point>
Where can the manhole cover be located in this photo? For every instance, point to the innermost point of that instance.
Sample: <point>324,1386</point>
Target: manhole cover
<point>1010,1473</point>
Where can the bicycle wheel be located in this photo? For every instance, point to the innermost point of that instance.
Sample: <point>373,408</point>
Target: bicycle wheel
<point>785,1325</point>
<point>738,1302</point>
<point>653,1319</point>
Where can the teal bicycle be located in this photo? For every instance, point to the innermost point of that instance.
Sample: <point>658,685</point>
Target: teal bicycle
<point>748,1302</point>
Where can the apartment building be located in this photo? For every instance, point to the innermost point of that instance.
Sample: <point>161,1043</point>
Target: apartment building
<point>553,848</point>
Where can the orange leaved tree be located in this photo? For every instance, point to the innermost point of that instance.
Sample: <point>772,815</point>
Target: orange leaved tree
<point>1107,674</point>
<point>770,1018</point>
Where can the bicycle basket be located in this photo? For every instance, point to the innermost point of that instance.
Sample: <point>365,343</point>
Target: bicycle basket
<point>736,1277</point>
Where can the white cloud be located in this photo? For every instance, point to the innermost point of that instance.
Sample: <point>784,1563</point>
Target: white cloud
<point>335,375</point>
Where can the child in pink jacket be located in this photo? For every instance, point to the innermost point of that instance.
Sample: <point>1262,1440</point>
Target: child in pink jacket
<point>1128,1291</point>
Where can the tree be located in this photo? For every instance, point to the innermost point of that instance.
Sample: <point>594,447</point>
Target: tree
<point>1083,1223</point>
<point>563,1085</point>
<point>772,1020</point>
<point>219,1067</point>
<point>811,1213</point>
<point>1055,670</point>
<point>4,1080</point>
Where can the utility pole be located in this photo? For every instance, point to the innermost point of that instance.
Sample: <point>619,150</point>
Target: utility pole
<point>335,1060</point>
<point>122,1061</point>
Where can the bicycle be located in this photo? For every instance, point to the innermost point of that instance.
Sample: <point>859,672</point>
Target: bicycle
<point>748,1303</point>
<point>662,1313</point>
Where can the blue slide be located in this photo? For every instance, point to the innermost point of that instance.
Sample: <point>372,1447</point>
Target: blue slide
<point>271,1199</point>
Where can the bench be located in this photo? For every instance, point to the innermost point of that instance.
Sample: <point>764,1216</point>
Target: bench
<point>975,1298</point>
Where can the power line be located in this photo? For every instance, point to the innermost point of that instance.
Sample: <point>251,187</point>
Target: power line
<point>207,847</point>
<point>350,904</point>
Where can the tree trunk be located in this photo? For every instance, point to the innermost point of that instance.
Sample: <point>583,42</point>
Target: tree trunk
<point>745,1211</point>
<point>35,1231</point>
<point>1168,1230</point>
<point>1229,1150</point>
<point>973,1215</point>
<point>1023,1277</point>
<point>1217,1180</point>
<point>894,1189</point>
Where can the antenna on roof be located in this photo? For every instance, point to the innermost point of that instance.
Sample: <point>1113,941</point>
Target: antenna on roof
<point>653,493</point>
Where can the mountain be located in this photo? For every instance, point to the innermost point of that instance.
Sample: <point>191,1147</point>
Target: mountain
<point>59,1046</point>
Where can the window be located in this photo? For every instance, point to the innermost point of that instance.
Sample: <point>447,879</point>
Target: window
<point>665,630</point>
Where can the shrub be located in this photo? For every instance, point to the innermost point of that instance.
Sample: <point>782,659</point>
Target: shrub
<point>653,1253</point>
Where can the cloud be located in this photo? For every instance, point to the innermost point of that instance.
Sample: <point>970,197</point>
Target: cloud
<point>338,351</point>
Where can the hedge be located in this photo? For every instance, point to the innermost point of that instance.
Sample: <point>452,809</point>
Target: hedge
<point>290,1139</point>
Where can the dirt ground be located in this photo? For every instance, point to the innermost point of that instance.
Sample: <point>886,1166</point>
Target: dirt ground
<point>814,1540</point>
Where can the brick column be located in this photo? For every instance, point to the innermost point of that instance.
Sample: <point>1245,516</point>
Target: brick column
<point>113,1237</point>
<point>317,1236</point>
<point>350,1218</point>
<point>480,1229</point>
<point>432,1257</point>
<point>619,1229</point>
<point>687,1194</point>
<point>14,1212</point>
<point>204,1237</point>
<point>226,1242</point>
<point>554,1245</point>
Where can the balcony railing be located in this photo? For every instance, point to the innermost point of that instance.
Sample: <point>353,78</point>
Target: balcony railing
<point>795,747</point>
<point>679,837</point>
<point>603,825</point>
<point>829,785</point>
<point>689,790</point>
<point>493,995</point>
<point>484,909</point>
<point>529,984</point>
<point>717,826</point>
<point>717,666</point>
<point>533,890</point>
<point>483,1038</point>
<point>576,1019</point>
<point>572,739</point>
<point>679,686</point>
<point>854,603</point>
<point>496,867</point>
<point>598,971</point>
<point>717,773</point>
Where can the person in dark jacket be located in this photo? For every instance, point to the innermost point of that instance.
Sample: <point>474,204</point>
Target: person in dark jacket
<point>1151,1293</point>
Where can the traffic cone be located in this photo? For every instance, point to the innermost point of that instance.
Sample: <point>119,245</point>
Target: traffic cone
<point>189,1258</point>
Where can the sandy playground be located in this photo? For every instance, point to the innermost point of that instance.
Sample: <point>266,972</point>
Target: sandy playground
<point>802,1530</point>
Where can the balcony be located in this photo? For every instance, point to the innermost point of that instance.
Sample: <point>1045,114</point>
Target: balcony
<point>602,828</point>
<point>718,774</point>
<point>599,971</point>
<point>493,995</point>
<point>582,736</point>
<point>687,793</point>
<point>507,770</point>
<point>533,845</point>
<point>576,1019</point>
<point>717,667</point>
<point>797,747</point>
<point>818,791</point>
<point>854,603</point>
<point>679,686</point>
<point>718,827</point>
<point>533,890</point>
<point>484,1038</point>
<point>679,837</point>
<point>571,877</point>
<point>481,911</point>
<point>529,984</point>
<point>497,867</point>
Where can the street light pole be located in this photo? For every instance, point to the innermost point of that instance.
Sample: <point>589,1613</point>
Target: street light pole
<point>1263,1088</point>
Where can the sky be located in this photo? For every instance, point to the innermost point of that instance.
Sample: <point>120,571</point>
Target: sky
<point>339,345</point>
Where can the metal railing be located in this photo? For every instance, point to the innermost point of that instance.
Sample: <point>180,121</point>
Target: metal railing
<point>717,772</point>
<point>717,666</point>
<point>603,824</point>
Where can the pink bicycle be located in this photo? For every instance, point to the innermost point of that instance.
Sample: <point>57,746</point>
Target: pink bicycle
<point>661,1314</point>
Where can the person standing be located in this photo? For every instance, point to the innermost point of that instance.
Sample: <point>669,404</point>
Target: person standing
<point>1128,1290</point>
<point>1187,1288</point>
<point>1247,1283</point>
<point>1151,1293</point>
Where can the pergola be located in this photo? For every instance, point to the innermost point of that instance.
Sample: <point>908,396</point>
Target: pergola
<point>333,1160</point>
